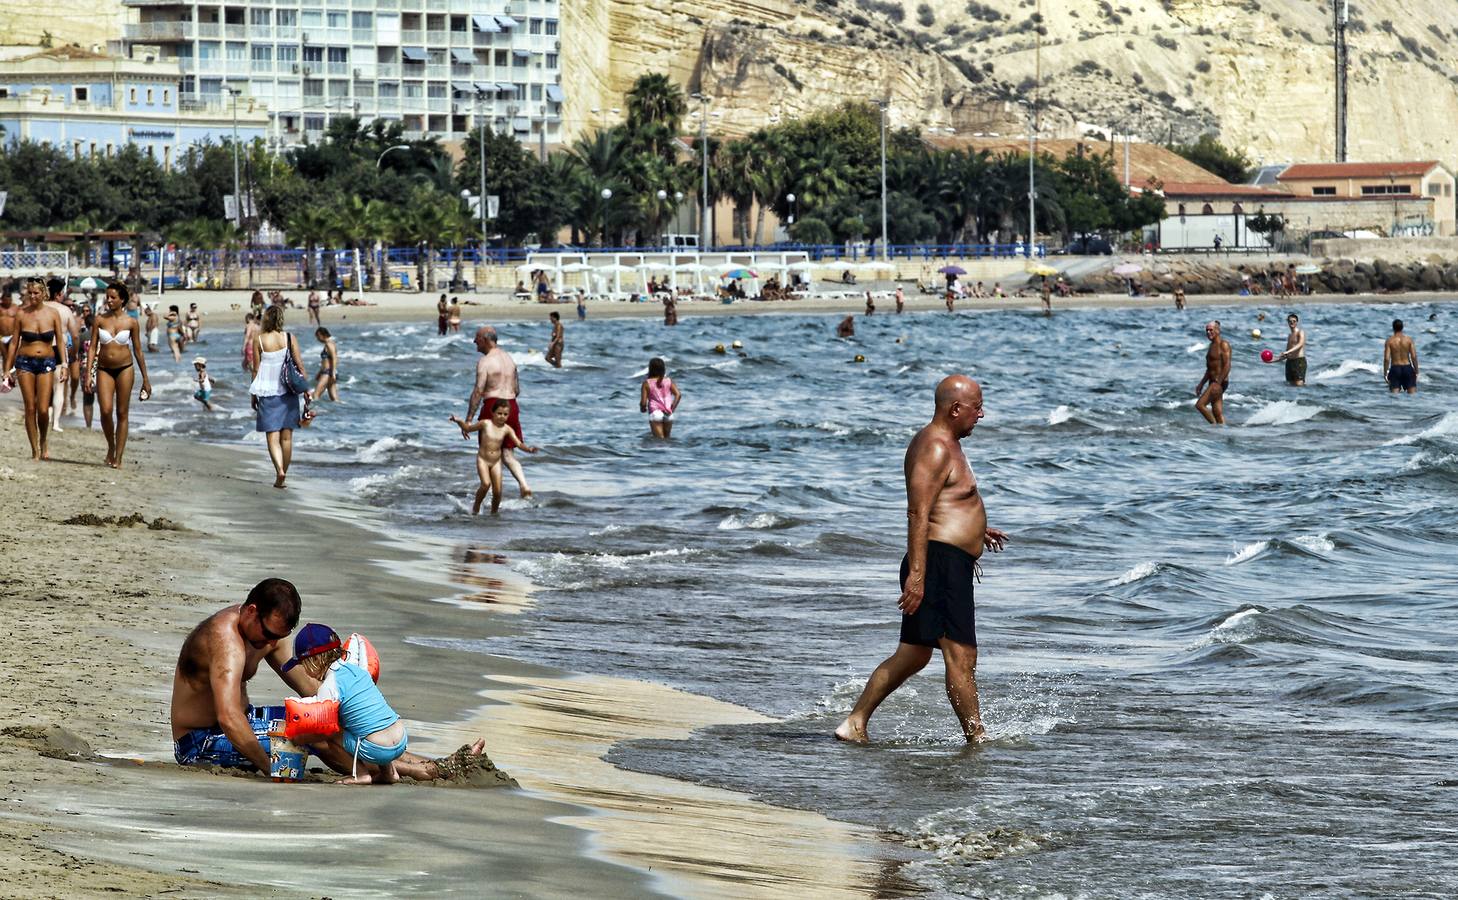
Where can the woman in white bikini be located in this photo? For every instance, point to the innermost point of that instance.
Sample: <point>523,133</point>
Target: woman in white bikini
<point>116,340</point>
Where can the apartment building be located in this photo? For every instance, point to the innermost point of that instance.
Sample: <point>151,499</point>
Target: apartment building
<point>437,66</point>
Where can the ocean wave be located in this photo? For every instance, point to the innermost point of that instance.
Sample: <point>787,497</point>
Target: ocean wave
<point>1316,543</point>
<point>1060,415</point>
<point>736,522</point>
<point>1232,629</point>
<point>595,571</point>
<point>372,485</point>
<point>1247,553</point>
<point>1283,412</point>
<point>1197,347</point>
<point>1347,367</point>
<point>1139,572</point>
<point>377,451</point>
<point>1447,426</point>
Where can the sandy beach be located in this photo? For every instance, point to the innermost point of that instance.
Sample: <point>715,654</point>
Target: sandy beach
<point>94,803</point>
<point>228,307</point>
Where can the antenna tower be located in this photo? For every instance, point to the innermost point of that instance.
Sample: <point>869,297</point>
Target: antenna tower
<point>1340,27</point>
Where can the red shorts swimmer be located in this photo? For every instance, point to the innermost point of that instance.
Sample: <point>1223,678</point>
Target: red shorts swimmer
<point>513,419</point>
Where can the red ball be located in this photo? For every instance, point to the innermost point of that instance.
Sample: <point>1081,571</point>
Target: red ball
<point>1267,356</point>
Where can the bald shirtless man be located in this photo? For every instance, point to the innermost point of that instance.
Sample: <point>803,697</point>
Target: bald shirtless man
<point>1210,392</point>
<point>212,721</point>
<point>496,380</point>
<point>1399,361</point>
<point>945,535</point>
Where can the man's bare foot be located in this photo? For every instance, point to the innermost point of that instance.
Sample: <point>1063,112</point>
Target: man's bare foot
<point>851,733</point>
<point>357,779</point>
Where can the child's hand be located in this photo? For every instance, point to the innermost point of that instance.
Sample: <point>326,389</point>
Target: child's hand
<point>529,449</point>
<point>642,407</point>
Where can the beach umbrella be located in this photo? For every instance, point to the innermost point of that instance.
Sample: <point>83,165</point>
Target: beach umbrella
<point>740,272</point>
<point>1307,269</point>
<point>1127,269</point>
<point>1042,270</point>
<point>952,270</point>
<point>90,283</point>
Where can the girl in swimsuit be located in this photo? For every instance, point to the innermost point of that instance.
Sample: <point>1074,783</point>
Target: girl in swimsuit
<point>314,308</point>
<point>116,340</point>
<point>176,340</point>
<point>39,352</point>
<point>659,398</point>
<point>328,366</point>
<point>250,331</point>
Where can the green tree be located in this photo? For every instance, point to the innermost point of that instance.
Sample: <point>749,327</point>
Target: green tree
<point>1209,154</point>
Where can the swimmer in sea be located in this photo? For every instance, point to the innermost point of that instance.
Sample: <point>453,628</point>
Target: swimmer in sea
<point>947,532</point>
<point>1295,352</point>
<point>659,398</point>
<point>1210,392</point>
<point>846,328</point>
<point>554,344</point>
<point>493,434</point>
<point>1399,361</point>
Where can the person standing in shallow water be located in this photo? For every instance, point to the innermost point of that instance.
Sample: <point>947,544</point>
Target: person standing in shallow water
<point>946,533</point>
<point>554,344</point>
<point>1210,392</point>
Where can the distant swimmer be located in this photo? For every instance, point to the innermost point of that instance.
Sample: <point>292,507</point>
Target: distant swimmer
<point>1211,389</point>
<point>1295,352</point>
<point>1045,290</point>
<point>1400,361</point>
<point>555,343</point>
<point>900,300</point>
<point>946,533</point>
<point>846,328</point>
<point>870,305</point>
<point>1179,295</point>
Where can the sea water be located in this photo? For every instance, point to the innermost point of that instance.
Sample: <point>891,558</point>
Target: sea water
<point>1213,662</point>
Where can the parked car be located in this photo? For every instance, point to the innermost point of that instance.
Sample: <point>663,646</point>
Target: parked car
<point>1089,245</point>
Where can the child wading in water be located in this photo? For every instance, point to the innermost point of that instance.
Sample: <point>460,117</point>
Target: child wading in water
<point>494,432</point>
<point>659,398</point>
<point>204,392</point>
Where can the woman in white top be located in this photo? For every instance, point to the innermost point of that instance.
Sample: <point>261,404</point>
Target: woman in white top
<point>116,339</point>
<point>278,410</point>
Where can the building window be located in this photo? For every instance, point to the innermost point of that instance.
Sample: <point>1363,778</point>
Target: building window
<point>536,92</point>
<point>534,26</point>
<point>1208,210</point>
<point>80,94</point>
<point>149,96</point>
<point>131,98</point>
<point>1371,189</point>
<point>92,154</point>
<point>1182,209</point>
<point>1447,190</point>
<point>166,96</point>
<point>1237,209</point>
<point>1323,192</point>
<point>4,93</point>
<point>551,60</point>
<point>75,149</point>
<point>551,26</point>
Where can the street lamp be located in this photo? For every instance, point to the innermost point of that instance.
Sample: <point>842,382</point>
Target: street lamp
<point>387,150</point>
<point>481,152</point>
<point>790,198</point>
<point>237,198</point>
<point>885,247</point>
<point>1032,185</point>
<point>607,194</point>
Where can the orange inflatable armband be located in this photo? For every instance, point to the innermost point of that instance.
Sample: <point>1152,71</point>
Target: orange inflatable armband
<point>310,718</point>
<point>358,651</point>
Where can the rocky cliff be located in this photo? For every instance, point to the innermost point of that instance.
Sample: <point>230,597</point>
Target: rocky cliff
<point>1258,72</point>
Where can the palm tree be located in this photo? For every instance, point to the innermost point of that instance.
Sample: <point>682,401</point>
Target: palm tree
<point>356,222</point>
<point>309,226</point>
<point>656,99</point>
<point>567,180</point>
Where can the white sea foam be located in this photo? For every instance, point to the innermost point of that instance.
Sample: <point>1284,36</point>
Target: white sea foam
<point>378,451</point>
<point>1233,629</point>
<point>1444,427</point>
<point>1424,460</point>
<point>1138,573</point>
<point>736,522</point>
<point>1249,551</point>
<point>1236,618</point>
<point>1316,543</point>
<point>1060,415</point>
<point>835,429</point>
<point>1196,348</point>
<point>1282,412</point>
<point>371,484</point>
<point>1347,367</point>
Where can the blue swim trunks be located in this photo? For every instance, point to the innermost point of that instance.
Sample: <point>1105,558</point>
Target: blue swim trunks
<point>210,747</point>
<point>371,752</point>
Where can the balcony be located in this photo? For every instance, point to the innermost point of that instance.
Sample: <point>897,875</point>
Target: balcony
<point>192,66</point>
<point>337,68</point>
<point>437,38</point>
<point>207,30</point>
<point>413,37</point>
<point>438,104</point>
<point>363,35</point>
<point>159,31</point>
<point>286,32</point>
<point>260,32</point>
<point>440,73</point>
<point>261,65</point>
<point>437,5</point>
<point>387,70</point>
<point>235,32</point>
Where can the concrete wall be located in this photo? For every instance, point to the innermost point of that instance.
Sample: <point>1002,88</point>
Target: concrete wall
<point>1389,248</point>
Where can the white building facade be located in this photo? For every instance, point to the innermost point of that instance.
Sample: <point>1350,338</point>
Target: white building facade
<point>437,66</point>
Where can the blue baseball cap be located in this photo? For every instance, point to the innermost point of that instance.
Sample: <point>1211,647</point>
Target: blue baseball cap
<point>312,640</point>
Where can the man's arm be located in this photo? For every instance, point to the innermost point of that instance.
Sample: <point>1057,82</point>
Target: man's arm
<point>226,676</point>
<point>296,678</point>
<point>926,473</point>
<point>1412,352</point>
<point>1386,357</point>
<point>478,393</point>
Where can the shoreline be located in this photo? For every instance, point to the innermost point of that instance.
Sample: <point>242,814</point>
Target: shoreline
<point>148,826</point>
<point>412,307</point>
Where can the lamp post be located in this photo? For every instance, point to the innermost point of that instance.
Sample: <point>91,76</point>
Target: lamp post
<point>662,196</point>
<point>481,207</point>
<point>885,246</point>
<point>381,158</point>
<point>704,152</point>
<point>607,194</point>
<point>1032,185</point>
<point>677,211</point>
<point>790,199</point>
<point>237,198</point>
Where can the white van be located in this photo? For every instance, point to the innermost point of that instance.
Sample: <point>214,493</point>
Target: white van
<point>680,242</point>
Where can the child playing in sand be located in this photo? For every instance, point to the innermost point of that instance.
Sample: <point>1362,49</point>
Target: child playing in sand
<point>204,392</point>
<point>494,432</point>
<point>659,398</point>
<point>369,729</point>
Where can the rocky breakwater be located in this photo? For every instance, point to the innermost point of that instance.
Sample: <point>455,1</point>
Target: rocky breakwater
<point>1228,275</point>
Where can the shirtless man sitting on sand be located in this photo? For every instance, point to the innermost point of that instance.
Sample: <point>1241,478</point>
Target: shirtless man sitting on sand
<point>946,533</point>
<point>212,721</point>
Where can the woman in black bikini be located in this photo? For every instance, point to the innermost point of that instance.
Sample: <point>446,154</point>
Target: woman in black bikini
<point>328,366</point>
<point>39,353</point>
<point>116,339</point>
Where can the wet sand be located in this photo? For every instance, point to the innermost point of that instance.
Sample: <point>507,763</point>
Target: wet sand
<point>100,807</point>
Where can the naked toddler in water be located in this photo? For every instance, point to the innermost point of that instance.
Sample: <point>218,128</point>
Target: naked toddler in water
<point>493,433</point>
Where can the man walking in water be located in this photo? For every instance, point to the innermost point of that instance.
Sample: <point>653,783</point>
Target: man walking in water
<point>1399,361</point>
<point>496,380</point>
<point>946,533</point>
<point>554,344</point>
<point>1210,392</point>
<point>1295,352</point>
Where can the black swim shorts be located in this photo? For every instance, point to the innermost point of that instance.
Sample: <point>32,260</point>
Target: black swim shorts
<point>946,607</point>
<point>1295,370</point>
<point>1402,378</point>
